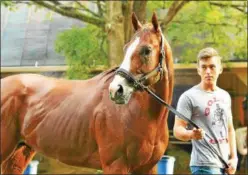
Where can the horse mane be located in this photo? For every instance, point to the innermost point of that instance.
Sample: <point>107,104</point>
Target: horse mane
<point>108,74</point>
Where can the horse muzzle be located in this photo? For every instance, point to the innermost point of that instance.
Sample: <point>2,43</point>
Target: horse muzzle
<point>120,93</point>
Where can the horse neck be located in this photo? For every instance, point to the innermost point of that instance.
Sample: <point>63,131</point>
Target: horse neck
<point>162,90</point>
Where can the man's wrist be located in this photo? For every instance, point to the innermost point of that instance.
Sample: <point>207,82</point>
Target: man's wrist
<point>190,134</point>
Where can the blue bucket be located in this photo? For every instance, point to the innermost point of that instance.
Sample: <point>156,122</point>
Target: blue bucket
<point>166,165</point>
<point>32,167</point>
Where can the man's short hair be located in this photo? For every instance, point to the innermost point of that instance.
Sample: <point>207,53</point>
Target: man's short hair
<point>208,53</point>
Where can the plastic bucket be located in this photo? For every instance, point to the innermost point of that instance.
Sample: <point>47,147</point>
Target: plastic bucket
<point>32,167</point>
<point>166,165</point>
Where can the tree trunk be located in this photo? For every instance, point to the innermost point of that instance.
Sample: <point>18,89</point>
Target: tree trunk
<point>127,13</point>
<point>119,26</point>
<point>139,8</point>
<point>115,31</point>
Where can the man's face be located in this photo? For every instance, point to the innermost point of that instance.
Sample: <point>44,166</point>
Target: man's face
<point>209,70</point>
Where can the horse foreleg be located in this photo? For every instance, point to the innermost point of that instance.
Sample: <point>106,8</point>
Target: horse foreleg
<point>118,166</point>
<point>18,161</point>
<point>152,170</point>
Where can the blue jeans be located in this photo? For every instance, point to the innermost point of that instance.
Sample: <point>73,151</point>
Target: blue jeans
<point>199,170</point>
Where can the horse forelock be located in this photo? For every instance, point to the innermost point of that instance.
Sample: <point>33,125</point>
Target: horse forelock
<point>145,29</point>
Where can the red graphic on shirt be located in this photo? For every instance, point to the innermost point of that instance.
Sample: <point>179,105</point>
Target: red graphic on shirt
<point>207,111</point>
<point>209,104</point>
<point>222,140</point>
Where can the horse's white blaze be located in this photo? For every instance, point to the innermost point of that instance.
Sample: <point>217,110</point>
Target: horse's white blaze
<point>127,59</point>
<point>126,64</point>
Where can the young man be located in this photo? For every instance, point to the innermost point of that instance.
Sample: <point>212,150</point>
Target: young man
<point>210,108</point>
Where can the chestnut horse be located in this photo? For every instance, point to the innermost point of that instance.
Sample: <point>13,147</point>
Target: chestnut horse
<point>78,121</point>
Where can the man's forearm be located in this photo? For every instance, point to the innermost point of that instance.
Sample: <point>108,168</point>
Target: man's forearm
<point>232,143</point>
<point>182,134</point>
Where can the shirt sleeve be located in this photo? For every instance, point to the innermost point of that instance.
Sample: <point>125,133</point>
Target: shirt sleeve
<point>184,106</point>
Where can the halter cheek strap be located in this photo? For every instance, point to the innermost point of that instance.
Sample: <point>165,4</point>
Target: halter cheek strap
<point>161,56</point>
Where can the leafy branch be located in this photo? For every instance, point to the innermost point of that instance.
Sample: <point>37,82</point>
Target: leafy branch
<point>211,24</point>
<point>173,10</point>
<point>71,11</point>
<point>241,8</point>
<point>100,8</point>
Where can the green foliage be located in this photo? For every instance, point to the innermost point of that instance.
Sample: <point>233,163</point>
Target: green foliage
<point>84,49</point>
<point>209,26</point>
<point>9,4</point>
<point>6,3</point>
<point>199,24</point>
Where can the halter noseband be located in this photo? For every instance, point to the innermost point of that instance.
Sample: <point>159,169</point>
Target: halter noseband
<point>138,83</point>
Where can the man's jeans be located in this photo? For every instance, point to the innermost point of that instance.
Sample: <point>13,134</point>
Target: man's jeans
<point>207,170</point>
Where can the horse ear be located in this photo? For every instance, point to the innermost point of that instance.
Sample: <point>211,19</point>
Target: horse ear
<point>136,24</point>
<point>155,22</point>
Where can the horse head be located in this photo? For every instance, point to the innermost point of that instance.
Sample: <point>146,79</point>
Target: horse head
<point>143,61</point>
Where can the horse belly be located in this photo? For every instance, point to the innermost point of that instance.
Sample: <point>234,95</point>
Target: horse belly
<point>59,126</point>
<point>56,137</point>
<point>66,151</point>
<point>91,161</point>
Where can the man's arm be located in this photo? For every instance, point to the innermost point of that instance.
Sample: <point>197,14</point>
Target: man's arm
<point>181,133</point>
<point>233,160</point>
<point>232,139</point>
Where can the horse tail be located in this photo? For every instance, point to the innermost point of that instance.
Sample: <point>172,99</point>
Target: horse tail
<point>18,161</point>
<point>12,97</point>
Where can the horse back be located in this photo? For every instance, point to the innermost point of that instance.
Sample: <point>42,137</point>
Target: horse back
<point>12,94</point>
<point>19,90</point>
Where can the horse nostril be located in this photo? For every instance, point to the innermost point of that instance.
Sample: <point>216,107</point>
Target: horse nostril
<point>116,91</point>
<point>120,90</point>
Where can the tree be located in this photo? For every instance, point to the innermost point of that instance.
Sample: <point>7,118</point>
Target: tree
<point>82,53</point>
<point>220,25</point>
<point>113,18</point>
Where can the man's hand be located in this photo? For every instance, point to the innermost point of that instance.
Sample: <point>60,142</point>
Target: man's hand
<point>197,134</point>
<point>232,163</point>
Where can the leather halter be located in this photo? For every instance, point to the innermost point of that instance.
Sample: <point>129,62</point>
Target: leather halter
<point>137,84</point>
